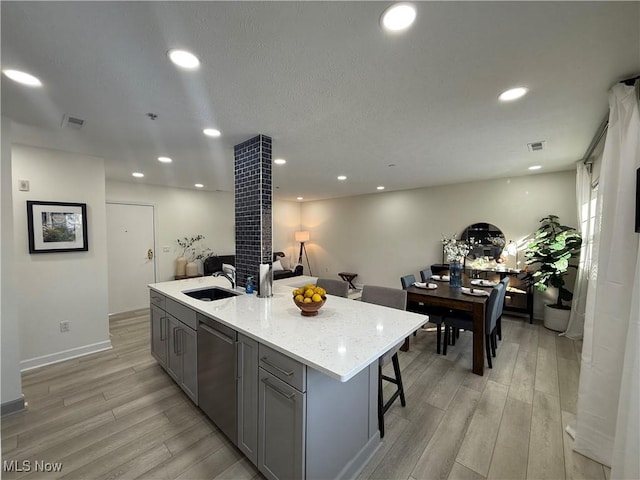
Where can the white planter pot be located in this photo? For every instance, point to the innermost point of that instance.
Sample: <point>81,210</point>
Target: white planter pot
<point>556,319</point>
<point>181,265</point>
<point>191,269</point>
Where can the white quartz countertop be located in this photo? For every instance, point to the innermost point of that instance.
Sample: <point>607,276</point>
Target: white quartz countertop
<point>345,337</point>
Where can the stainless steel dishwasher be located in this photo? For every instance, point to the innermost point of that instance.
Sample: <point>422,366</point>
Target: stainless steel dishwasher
<point>217,374</point>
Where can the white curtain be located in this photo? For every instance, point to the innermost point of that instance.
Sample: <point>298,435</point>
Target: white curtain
<point>586,216</point>
<point>608,414</point>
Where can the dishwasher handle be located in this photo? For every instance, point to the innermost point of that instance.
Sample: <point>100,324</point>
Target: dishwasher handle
<point>220,335</point>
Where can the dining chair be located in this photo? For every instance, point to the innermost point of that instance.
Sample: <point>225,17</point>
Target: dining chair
<point>505,282</point>
<point>339,288</point>
<point>464,321</point>
<point>435,313</point>
<point>426,274</point>
<point>407,280</point>
<point>393,298</point>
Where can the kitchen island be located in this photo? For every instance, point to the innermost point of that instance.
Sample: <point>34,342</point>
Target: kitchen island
<point>305,387</point>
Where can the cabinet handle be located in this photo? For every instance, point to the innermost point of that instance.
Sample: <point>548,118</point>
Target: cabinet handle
<point>288,396</point>
<point>284,372</point>
<point>162,329</point>
<point>221,336</point>
<point>180,338</point>
<point>175,341</point>
<point>238,362</point>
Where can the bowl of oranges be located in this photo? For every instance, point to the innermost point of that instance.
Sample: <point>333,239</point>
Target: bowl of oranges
<point>309,299</point>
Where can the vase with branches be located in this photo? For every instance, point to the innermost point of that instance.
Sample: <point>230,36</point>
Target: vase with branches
<point>456,251</point>
<point>192,251</point>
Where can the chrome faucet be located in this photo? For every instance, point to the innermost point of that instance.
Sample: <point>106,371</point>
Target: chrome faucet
<point>231,278</point>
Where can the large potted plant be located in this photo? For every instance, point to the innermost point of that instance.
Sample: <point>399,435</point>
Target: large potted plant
<point>551,252</point>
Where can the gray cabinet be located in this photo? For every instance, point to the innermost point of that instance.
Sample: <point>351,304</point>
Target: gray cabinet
<point>281,429</point>
<point>159,344</point>
<point>281,415</point>
<point>248,397</point>
<point>182,357</point>
<point>174,341</point>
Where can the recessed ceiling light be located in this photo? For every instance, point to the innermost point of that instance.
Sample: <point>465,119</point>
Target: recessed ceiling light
<point>398,17</point>
<point>211,132</point>
<point>138,174</point>
<point>299,198</point>
<point>513,94</point>
<point>164,159</point>
<point>23,78</point>
<point>279,161</point>
<point>184,59</point>
<point>342,177</point>
<point>535,167</point>
<point>380,187</point>
<point>198,185</point>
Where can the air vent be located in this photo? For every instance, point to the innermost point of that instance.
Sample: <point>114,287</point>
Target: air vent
<point>72,122</point>
<point>536,146</point>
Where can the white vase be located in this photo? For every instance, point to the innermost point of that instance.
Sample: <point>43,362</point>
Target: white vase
<point>181,264</point>
<point>555,318</point>
<point>192,269</point>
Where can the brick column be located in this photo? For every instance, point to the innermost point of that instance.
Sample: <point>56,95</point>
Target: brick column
<point>253,200</point>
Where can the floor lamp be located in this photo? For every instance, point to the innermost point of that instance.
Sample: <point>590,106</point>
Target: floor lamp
<point>303,236</point>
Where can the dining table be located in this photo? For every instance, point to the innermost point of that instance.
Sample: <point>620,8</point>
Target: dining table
<point>455,299</point>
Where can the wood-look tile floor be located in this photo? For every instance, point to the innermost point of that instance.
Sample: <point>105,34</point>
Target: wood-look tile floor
<point>117,414</point>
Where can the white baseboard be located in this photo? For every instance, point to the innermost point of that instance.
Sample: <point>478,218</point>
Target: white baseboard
<point>52,358</point>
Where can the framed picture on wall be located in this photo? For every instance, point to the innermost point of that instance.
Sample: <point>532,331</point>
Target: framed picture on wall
<point>57,227</point>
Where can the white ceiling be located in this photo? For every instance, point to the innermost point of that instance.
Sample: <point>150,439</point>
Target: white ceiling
<point>336,93</point>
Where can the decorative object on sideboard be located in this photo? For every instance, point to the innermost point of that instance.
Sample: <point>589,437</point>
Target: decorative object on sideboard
<point>485,240</point>
<point>511,250</point>
<point>302,237</point>
<point>552,250</point>
<point>192,255</point>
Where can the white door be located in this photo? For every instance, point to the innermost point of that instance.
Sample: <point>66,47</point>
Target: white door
<point>131,256</point>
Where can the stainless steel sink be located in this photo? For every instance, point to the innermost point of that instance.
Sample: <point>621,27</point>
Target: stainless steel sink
<point>210,294</point>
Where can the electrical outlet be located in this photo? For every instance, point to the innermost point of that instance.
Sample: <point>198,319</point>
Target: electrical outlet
<point>64,326</point>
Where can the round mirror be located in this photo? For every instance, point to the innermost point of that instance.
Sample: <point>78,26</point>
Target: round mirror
<point>485,240</point>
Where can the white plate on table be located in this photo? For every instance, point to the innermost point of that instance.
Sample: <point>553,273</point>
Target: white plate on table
<point>440,278</point>
<point>480,282</point>
<point>426,286</point>
<point>476,292</point>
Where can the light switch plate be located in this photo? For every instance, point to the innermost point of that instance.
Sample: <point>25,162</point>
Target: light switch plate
<point>23,185</point>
